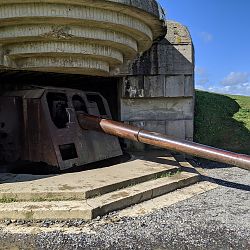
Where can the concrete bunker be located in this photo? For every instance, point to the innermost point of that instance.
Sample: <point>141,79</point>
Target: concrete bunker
<point>141,64</point>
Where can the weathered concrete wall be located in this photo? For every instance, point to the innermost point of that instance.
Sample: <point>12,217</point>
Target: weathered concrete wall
<point>158,91</point>
<point>102,38</point>
<point>79,36</point>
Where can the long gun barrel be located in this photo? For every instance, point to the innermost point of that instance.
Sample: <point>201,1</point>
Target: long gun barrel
<point>125,131</point>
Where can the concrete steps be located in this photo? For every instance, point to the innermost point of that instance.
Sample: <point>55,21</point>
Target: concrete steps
<point>93,193</point>
<point>98,206</point>
<point>142,192</point>
<point>86,184</point>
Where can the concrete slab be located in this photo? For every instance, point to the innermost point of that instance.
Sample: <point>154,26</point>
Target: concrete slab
<point>142,192</point>
<point>55,210</point>
<point>89,194</point>
<point>91,208</point>
<point>168,199</point>
<point>86,184</point>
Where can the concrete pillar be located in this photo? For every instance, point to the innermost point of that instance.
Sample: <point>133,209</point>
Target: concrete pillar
<point>158,91</point>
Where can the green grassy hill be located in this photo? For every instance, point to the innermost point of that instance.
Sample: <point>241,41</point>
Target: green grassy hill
<point>223,121</point>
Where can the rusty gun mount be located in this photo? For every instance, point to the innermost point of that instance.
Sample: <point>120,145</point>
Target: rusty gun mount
<point>39,124</point>
<point>89,122</point>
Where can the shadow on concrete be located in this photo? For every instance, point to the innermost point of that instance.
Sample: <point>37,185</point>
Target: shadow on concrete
<point>206,164</point>
<point>157,156</point>
<point>35,171</point>
<point>162,58</point>
<point>193,169</point>
<point>17,178</point>
<point>107,86</point>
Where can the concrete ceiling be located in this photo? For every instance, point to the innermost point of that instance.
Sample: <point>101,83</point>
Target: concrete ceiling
<point>79,37</point>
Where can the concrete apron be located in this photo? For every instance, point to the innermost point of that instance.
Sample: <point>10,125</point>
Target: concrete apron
<point>88,194</point>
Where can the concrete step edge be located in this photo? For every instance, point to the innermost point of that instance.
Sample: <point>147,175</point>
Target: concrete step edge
<point>79,195</point>
<point>91,208</point>
<point>141,192</point>
<point>129,182</point>
<point>57,210</point>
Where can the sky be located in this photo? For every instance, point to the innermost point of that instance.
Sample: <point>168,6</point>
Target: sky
<point>221,34</point>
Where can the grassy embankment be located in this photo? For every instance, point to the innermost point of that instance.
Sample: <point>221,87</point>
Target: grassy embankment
<point>223,121</point>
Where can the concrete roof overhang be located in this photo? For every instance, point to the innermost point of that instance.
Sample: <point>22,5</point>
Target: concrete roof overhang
<point>81,36</point>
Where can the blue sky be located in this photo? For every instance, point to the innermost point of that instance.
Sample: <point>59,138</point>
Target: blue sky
<point>221,33</point>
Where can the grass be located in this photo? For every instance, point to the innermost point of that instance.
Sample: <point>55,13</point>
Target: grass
<point>169,174</point>
<point>7,200</point>
<point>223,121</point>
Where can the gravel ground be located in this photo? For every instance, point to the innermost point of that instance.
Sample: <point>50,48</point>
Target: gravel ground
<point>218,219</point>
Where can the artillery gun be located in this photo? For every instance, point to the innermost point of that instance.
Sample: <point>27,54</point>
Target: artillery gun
<point>107,39</point>
<point>66,128</point>
<point>40,125</point>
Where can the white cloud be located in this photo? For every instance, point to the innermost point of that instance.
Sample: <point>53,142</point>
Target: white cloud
<point>235,83</point>
<point>200,87</point>
<point>239,89</point>
<point>235,78</point>
<point>206,37</point>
